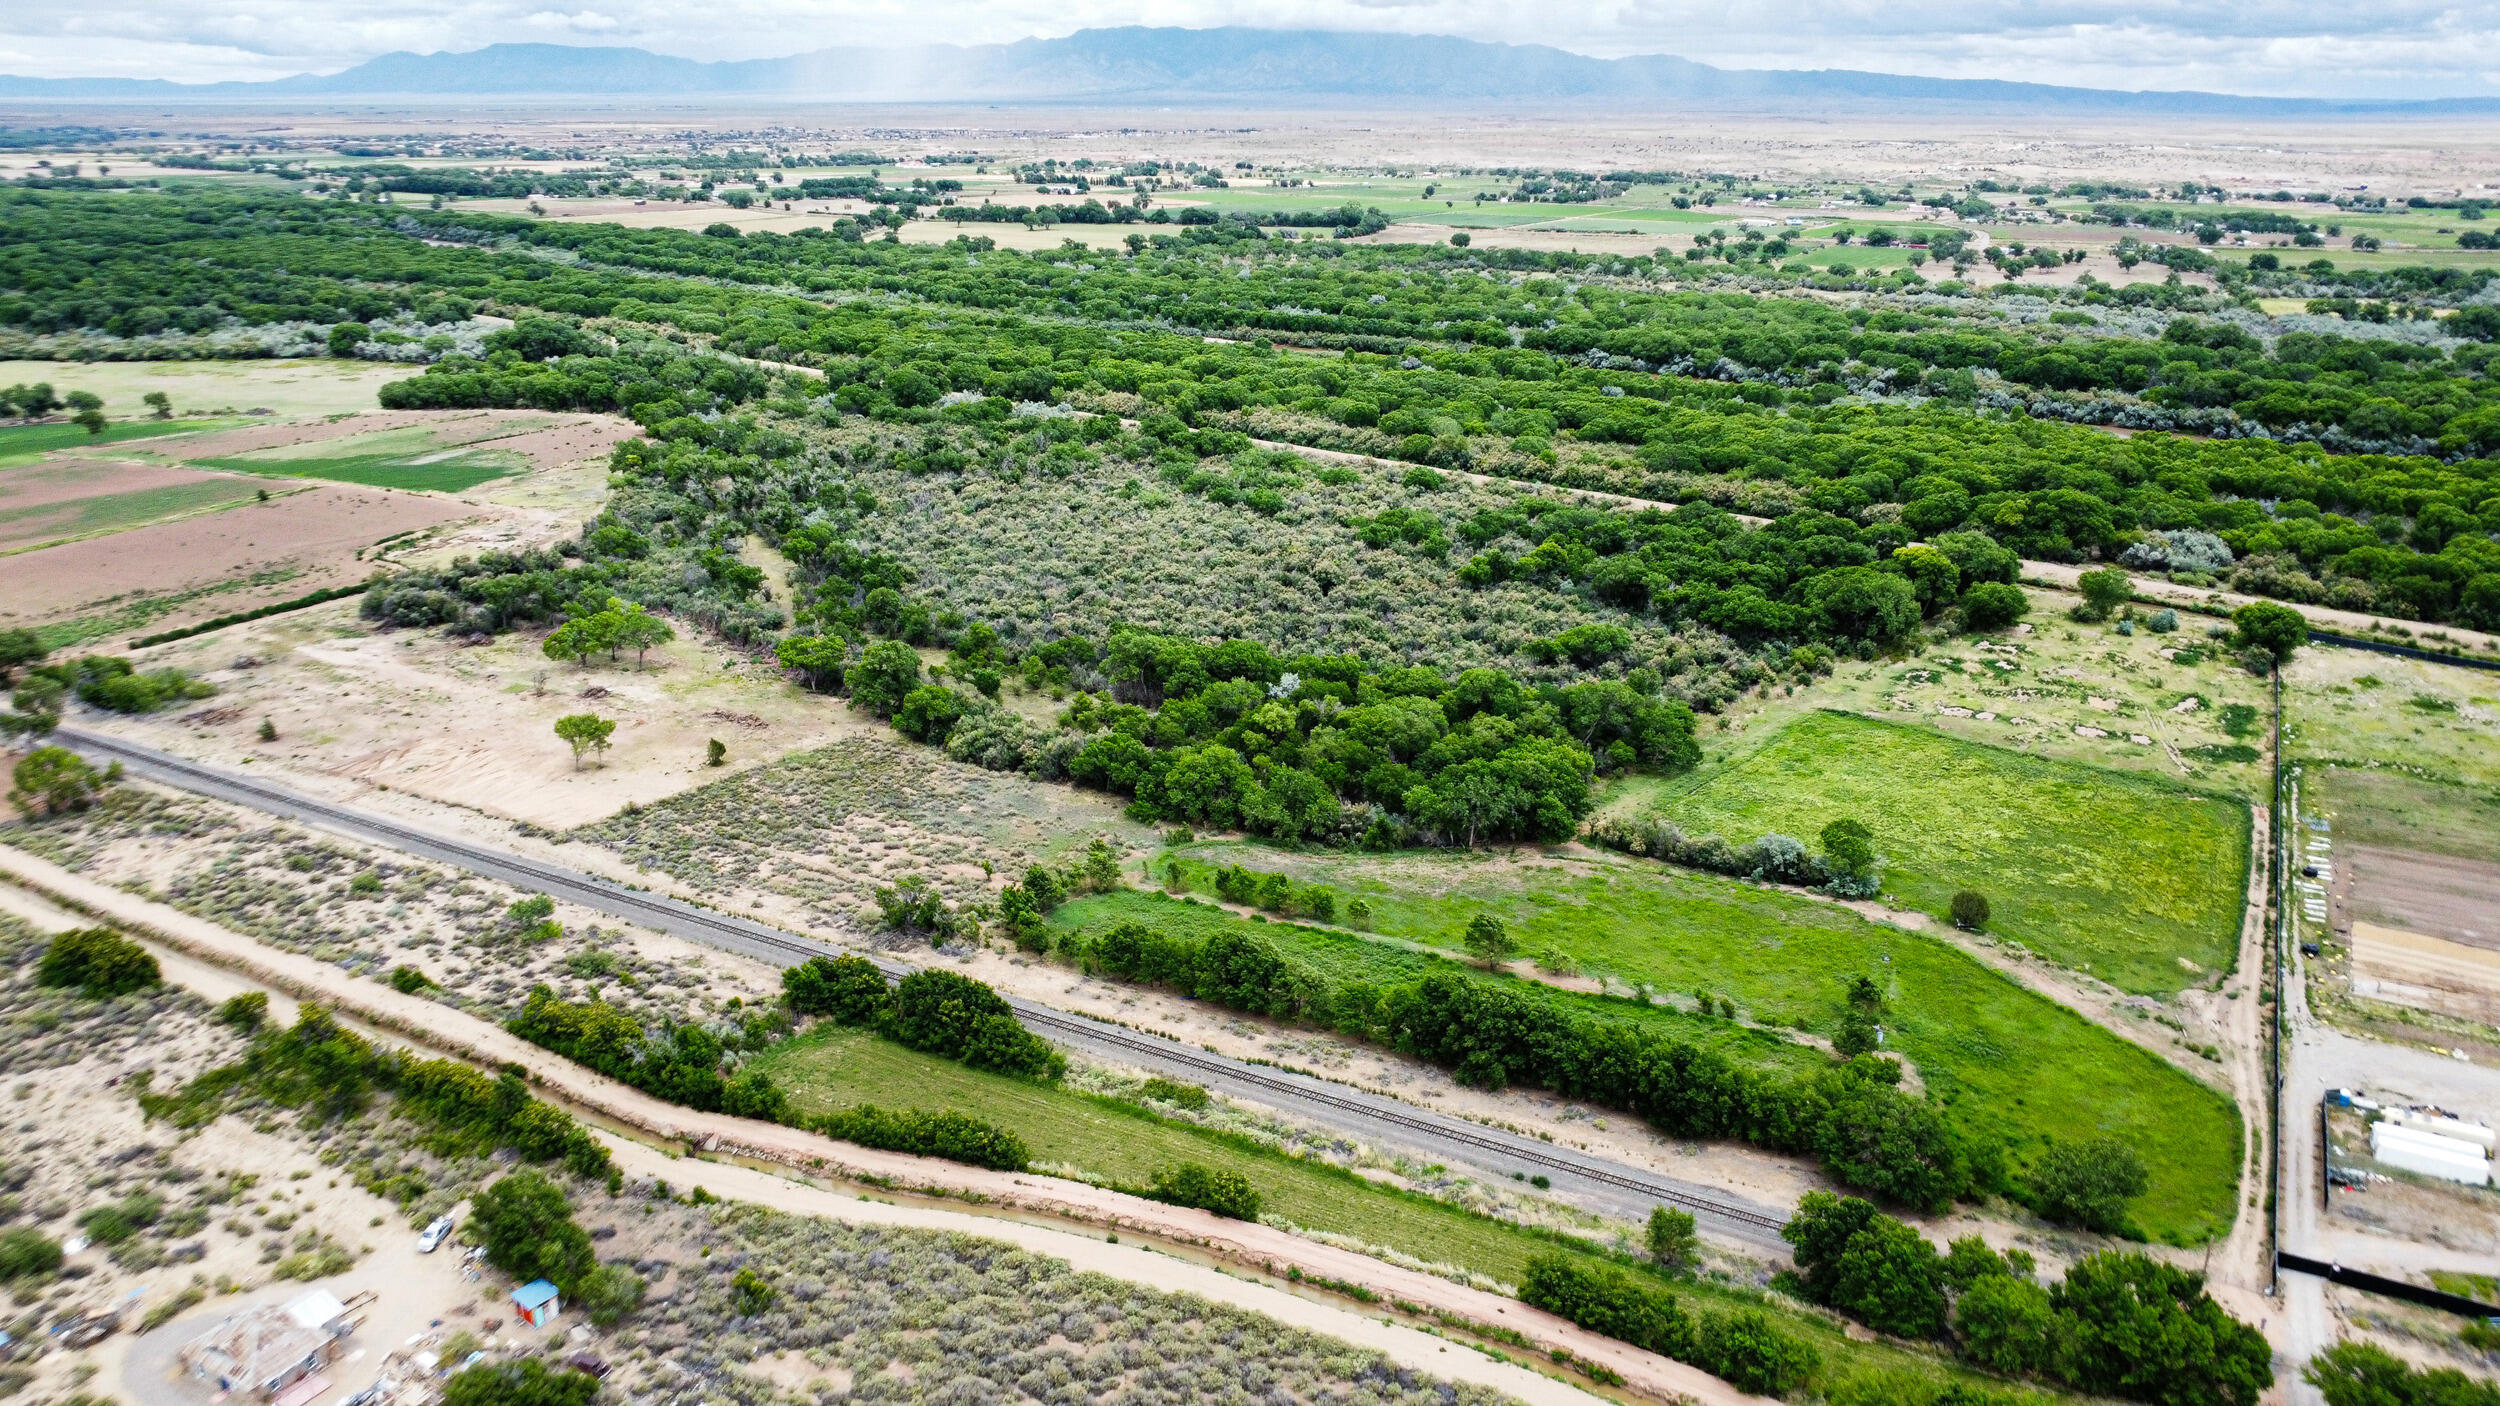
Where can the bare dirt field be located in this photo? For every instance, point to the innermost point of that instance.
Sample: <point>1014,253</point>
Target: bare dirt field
<point>2444,896</point>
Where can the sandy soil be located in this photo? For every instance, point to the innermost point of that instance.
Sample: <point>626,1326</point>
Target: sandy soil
<point>316,533</point>
<point>2458,899</point>
<point>467,726</point>
<point>1242,1243</point>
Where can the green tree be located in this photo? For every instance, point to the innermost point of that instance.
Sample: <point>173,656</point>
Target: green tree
<point>818,658</point>
<point>159,404</point>
<point>1861,603</point>
<point>576,640</point>
<point>1673,1242</point>
<point>2007,1325</point>
<point>1488,940</point>
<point>884,676</point>
<point>585,732</point>
<point>1931,574</point>
<point>2089,1183</point>
<point>1102,866</point>
<point>1993,605</point>
<point>2104,590</point>
<point>715,753</point>
<point>928,714</point>
<point>1849,850</point>
<point>345,337</point>
<point>2279,630</point>
<point>629,626</point>
<point>2138,1328</point>
<point>526,1225</point>
<point>55,780</point>
<point>1891,1279</point>
<point>848,989</point>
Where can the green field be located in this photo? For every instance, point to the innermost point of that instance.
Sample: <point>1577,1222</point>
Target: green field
<point>388,459</point>
<point>2134,880</point>
<point>20,443</point>
<point>2003,1058</point>
<point>830,1068</point>
<point>2395,811</point>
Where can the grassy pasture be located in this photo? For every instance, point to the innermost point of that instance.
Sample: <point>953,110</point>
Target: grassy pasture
<point>2003,1057</point>
<point>25,443</point>
<point>298,386</point>
<point>410,459</point>
<point>2135,880</point>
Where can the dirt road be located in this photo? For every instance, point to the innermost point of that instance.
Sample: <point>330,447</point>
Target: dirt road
<point>1262,1247</point>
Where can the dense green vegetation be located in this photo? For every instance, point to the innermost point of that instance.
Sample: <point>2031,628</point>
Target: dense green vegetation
<point>1465,359</point>
<point>2119,1324</point>
<point>2006,1069</point>
<point>2134,880</point>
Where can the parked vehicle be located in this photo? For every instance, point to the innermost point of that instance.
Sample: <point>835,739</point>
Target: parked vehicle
<point>431,1238</point>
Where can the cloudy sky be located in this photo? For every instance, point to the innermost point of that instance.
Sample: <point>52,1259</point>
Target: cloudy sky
<point>2359,48</point>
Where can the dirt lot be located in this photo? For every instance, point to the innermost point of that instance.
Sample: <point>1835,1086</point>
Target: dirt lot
<point>2456,899</point>
<point>411,711</point>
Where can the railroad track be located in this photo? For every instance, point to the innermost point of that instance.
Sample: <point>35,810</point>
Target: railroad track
<point>750,938</point>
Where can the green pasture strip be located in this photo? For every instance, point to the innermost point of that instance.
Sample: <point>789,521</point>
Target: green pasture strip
<point>23,442</point>
<point>2004,1059</point>
<point>452,475</point>
<point>2136,880</point>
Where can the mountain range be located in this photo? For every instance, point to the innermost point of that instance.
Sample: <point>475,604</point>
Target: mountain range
<point>1203,66</point>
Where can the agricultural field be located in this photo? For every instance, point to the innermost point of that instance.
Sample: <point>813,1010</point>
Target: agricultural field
<point>2398,768</point>
<point>2134,880</point>
<point>1996,1054</point>
<point>409,460</point>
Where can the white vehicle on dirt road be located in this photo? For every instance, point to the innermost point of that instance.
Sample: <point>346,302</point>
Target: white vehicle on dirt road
<point>431,1238</point>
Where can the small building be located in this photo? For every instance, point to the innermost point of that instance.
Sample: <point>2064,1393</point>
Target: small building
<point>2429,1154</point>
<point>261,1353</point>
<point>537,1304</point>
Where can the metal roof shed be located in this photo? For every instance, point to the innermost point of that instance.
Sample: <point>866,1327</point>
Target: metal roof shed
<point>537,1303</point>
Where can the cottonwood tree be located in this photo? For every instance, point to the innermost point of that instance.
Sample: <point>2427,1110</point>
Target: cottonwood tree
<point>585,732</point>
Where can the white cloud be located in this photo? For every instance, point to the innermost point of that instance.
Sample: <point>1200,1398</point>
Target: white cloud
<point>2389,48</point>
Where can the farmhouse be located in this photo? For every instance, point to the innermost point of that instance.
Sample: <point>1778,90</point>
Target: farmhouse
<point>262,1352</point>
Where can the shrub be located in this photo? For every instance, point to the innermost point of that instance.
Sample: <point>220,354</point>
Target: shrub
<point>1176,1093</point>
<point>409,981</point>
<point>26,1253</point>
<point>950,1135</point>
<point>1228,1194</point>
<point>1746,1348</point>
<point>2364,1374</point>
<point>2104,590</point>
<point>100,962</point>
<point>847,989</point>
<point>528,1382</point>
<point>1673,1244</point>
<point>2278,631</point>
<point>608,1293</point>
<point>2089,1183</point>
<point>1970,910</point>
<point>246,1012</point>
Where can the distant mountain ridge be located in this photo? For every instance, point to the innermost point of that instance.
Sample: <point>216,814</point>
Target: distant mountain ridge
<point>1231,65</point>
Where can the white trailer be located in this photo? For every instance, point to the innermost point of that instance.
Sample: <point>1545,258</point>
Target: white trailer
<point>2429,1154</point>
